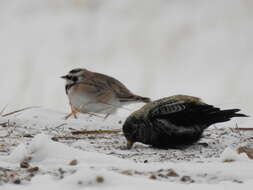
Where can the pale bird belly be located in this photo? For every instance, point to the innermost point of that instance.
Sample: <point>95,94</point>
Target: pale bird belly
<point>86,103</point>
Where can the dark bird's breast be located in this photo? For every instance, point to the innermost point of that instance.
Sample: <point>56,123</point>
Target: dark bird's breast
<point>174,121</point>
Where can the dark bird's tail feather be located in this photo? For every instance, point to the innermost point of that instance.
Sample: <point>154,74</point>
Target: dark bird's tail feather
<point>223,115</point>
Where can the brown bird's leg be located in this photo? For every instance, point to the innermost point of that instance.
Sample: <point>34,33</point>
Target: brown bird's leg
<point>106,116</point>
<point>91,114</point>
<point>104,99</point>
<point>73,112</point>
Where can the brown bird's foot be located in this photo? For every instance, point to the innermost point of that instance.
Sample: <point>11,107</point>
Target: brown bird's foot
<point>73,112</point>
<point>93,114</point>
<point>106,116</point>
<point>68,116</point>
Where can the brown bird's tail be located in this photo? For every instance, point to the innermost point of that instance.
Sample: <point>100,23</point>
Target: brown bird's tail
<point>136,98</point>
<point>143,99</point>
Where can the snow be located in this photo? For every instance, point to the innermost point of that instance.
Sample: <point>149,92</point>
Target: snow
<point>102,162</point>
<point>156,48</point>
<point>231,155</point>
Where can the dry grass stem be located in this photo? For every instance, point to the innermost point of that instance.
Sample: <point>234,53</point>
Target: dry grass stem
<point>20,110</point>
<point>57,138</point>
<point>244,129</point>
<point>95,132</point>
<point>4,108</point>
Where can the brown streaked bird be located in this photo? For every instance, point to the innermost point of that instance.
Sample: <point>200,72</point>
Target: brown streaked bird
<point>173,122</point>
<point>91,93</point>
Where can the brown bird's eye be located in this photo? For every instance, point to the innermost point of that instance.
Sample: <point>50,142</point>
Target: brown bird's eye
<point>74,78</point>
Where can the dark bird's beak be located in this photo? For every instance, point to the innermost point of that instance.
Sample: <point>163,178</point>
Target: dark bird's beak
<point>129,144</point>
<point>64,77</point>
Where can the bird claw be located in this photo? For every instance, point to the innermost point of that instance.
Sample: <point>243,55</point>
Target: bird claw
<point>69,115</point>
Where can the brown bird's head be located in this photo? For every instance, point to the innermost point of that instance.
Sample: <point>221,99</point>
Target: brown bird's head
<point>75,75</point>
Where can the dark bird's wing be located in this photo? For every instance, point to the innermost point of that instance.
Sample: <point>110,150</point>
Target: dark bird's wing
<point>190,111</point>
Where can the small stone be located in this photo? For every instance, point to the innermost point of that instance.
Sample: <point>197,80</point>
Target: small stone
<point>24,164</point>
<point>79,182</point>
<point>73,162</point>
<point>172,173</point>
<point>187,179</point>
<point>161,175</point>
<point>203,144</point>
<point>237,181</point>
<point>100,179</point>
<point>228,160</point>
<point>28,135</point>
<point>152,177</point>
<point>17,181</point>
<point>55,139</point>
<point>145,161</point>
<point>120,122</point>
<point>127,172</point>
<point>34,169</point>
<point>12,175</point>
<point>61,173</point>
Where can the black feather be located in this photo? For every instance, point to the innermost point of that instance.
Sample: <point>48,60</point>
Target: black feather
<point>68,86</point>
<point>75,71</point>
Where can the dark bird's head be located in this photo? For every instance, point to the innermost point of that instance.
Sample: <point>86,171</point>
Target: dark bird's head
<point>131,129</point>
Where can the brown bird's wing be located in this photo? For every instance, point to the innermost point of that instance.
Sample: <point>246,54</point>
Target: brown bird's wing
<point>88,87</point>
<point>120,90</point>
<point>98,90</point>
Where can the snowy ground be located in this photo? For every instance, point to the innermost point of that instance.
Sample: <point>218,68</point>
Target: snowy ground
<point>38,150</point>
<point>156,48</point>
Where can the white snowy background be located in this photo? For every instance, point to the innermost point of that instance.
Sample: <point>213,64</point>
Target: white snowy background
<point>155,47</point>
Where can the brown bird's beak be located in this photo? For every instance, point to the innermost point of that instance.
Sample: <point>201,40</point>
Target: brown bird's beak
<point>64,77</point>
<point>129,144</point>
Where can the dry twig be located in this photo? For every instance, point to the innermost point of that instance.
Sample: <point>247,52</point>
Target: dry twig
<point>9,133</point>
<point>4,108</point>
<point>17,111</point>
<point>4,124</point>
<point>66,138</point>
<point>95,132</point>
<point>244,129</point>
